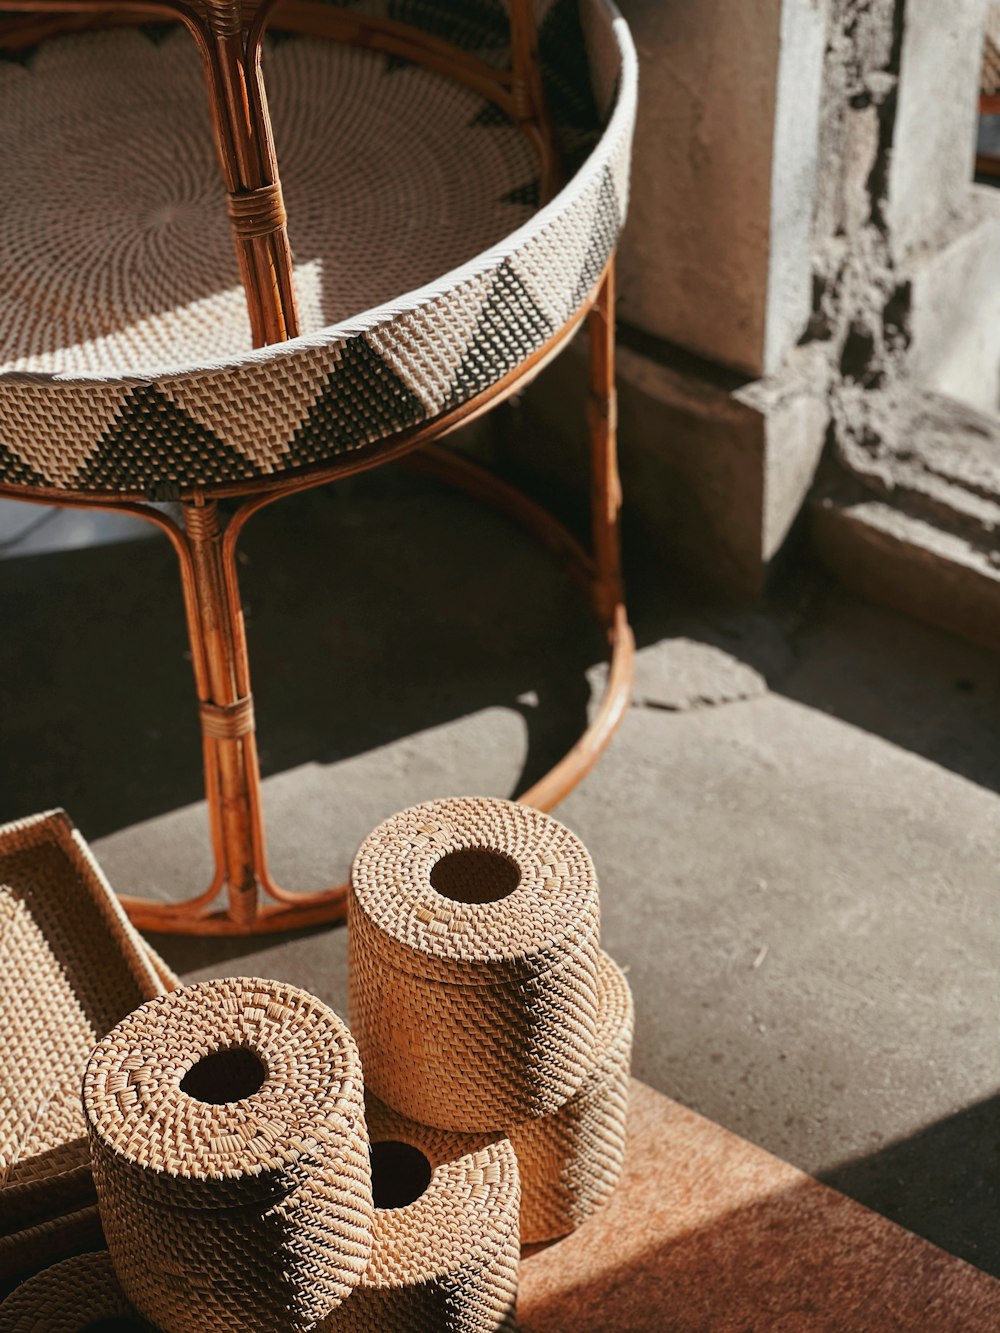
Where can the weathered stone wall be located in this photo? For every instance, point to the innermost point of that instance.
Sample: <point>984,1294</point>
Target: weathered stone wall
<point>718,253</point>
<point>808,272</point>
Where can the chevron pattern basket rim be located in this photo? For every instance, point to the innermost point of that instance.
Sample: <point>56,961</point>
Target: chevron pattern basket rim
<point>403,370</point>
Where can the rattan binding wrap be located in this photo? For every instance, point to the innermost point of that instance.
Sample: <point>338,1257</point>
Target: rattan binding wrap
<point>473,1015</point>
<point>571,1160</point>
<point>249,1213</point>
<point>71,966</point>
<point>448,1261</point>
<point>71,1297</point>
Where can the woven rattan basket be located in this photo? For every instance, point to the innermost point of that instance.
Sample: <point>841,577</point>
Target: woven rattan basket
<point>30,1249</point>
<point>424,265</point>
<point>445,1252</point>
<point>571,1160</point>
<point>71,967</point>
<point>71,1297</point>
<point>473,946</point>
<point>230,1155</point>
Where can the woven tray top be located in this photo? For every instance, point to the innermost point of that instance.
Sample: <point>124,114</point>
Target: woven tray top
<point>260,1145</point>
<point>425,269</point>
<point>70,967</point>
<point>475,891</point>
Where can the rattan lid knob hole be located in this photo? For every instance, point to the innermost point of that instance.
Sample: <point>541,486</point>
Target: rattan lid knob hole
<point>400,1173</point>
<point>228,1075</point>
<point>475,875</point>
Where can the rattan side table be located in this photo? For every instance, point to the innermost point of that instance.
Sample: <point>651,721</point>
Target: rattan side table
<point>454,181</point>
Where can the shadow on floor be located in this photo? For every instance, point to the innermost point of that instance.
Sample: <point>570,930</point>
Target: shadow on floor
<point>707,1234</point>
<point>943,1183</point>
<point>375,609</point>
<point>385,605</point>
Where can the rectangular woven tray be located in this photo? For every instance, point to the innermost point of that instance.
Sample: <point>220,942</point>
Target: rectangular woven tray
<point>71,966</point>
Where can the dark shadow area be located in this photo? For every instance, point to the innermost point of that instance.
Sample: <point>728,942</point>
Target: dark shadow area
<point>375,608</point>
<point>707,1234</point>
<point>943,1183</point>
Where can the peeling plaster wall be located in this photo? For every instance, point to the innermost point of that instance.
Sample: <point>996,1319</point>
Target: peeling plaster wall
<point>907,311</point>
<point>808,273</point>
<point>907,254</point>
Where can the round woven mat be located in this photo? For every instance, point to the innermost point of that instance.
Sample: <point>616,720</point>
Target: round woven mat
<point>115,249</point>
<point>70,1297</point>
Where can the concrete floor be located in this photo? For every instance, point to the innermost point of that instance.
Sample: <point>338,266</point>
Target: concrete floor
<point>796,830</point>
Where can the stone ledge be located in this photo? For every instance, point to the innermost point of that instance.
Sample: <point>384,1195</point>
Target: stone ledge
<point>916,526</point>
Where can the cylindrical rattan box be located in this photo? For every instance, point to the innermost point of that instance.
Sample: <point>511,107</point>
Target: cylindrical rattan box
<point>446,1249</point>
<point>473,947</point>
<point>230,1155</point>
<point>570,1161</point>
<point>71,1297</point>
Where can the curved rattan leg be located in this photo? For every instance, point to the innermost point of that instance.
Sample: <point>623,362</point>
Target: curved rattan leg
<point>599,573</point>
<point>232,773</point>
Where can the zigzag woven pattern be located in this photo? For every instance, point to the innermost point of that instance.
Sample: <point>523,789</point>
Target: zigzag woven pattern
<point>69,1295</point>
<point>425,272</point>
<point>448,1259</point>
<point>570,1160</point>
<point>210,1203</point>
<point>473,944</point>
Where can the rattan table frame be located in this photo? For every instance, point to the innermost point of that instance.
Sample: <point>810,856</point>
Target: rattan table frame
<point>230,43</point>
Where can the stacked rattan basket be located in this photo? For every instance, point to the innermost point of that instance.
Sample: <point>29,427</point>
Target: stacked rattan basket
<point>249,1176</point>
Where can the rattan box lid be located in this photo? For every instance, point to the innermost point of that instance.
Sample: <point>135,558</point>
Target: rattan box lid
<point>291,1056</point>
<point>475,891</point>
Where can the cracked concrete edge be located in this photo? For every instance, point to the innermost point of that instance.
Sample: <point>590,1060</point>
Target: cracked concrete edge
<point>902,560</point>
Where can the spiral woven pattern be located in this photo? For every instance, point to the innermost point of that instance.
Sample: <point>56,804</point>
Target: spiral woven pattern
<point>425,269</point>
<point>70,1297</point>
<point>448,1261</point>
<point>230,1155</point>
<point>71,966</point>
<point>570,1161</point>
<point>472,1015</point>
<point>475,890</point>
